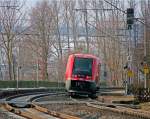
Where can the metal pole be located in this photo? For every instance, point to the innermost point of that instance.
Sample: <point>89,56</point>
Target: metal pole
<point>37,76</point>
<point>86,26</point>
<point>129,63</point>
<point>145,39</point>
<point>145,85</point>
<point>105,74</point>
<point>130,57</point>
<point>126,85</point>
<point>17,76</point>
<point>68,33</point>
<point>138,77</point>
<point>18,67</point>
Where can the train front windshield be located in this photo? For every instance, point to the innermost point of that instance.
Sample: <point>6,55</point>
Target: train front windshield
<point>83,66</point>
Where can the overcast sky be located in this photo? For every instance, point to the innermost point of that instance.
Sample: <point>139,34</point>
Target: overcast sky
<point>30,3</point>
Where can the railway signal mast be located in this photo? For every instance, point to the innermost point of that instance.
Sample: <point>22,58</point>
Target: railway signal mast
<point>130,21</point>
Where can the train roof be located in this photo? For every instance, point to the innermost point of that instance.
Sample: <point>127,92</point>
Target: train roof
<point>86,56</point>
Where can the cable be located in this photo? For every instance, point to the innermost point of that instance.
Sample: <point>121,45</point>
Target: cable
<point>137,19</point>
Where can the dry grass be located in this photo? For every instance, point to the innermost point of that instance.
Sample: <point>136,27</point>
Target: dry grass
<point>115,98</point>
<point>145,106</point>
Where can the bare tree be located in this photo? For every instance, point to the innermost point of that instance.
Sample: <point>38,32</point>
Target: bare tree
<point>145,11</point>
<point>108,23</point>
<point>84,5</point>
<point>74,22</point>
<point>10,19</point>
<point>42,20</point>
<point>66,5</point>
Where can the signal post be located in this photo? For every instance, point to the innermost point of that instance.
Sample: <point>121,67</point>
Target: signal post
<point>146,71</point>
<point>130,22</point>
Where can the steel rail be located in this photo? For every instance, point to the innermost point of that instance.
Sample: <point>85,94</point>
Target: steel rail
<point>110,107</point>
<point>27,113</point>
<point>122,109</point>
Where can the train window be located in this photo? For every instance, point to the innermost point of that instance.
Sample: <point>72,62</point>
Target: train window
<point>83,66</point>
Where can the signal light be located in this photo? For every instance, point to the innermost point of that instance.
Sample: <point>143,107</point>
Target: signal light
<point>125,67</point>
<point>130,17</point>
<point>142,63</point>
<point>74,76</point>
<point>88,77</point>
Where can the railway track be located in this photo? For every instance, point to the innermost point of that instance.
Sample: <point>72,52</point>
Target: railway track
<point>37,112</point>
<point>120,109</point>
<point>58,105</point>
<point>93,109</point>
<point>22,106</point>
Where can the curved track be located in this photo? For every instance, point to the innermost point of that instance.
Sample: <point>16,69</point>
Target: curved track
<point>54,105</point>
<point>22,105</point>
<point>87,108</point>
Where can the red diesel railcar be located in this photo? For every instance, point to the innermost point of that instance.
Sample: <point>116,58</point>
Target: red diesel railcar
<point>82,74</point>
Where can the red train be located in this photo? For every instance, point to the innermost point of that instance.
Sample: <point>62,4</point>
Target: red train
<point>82,74</point>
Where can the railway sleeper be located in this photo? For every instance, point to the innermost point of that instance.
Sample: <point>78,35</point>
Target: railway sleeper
<point>125,111</point>
<point>55,114</point>
<point>16,111</point>
<point>29,115</point>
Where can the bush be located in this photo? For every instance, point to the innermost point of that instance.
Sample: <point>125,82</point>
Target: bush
<point>29,84</point>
